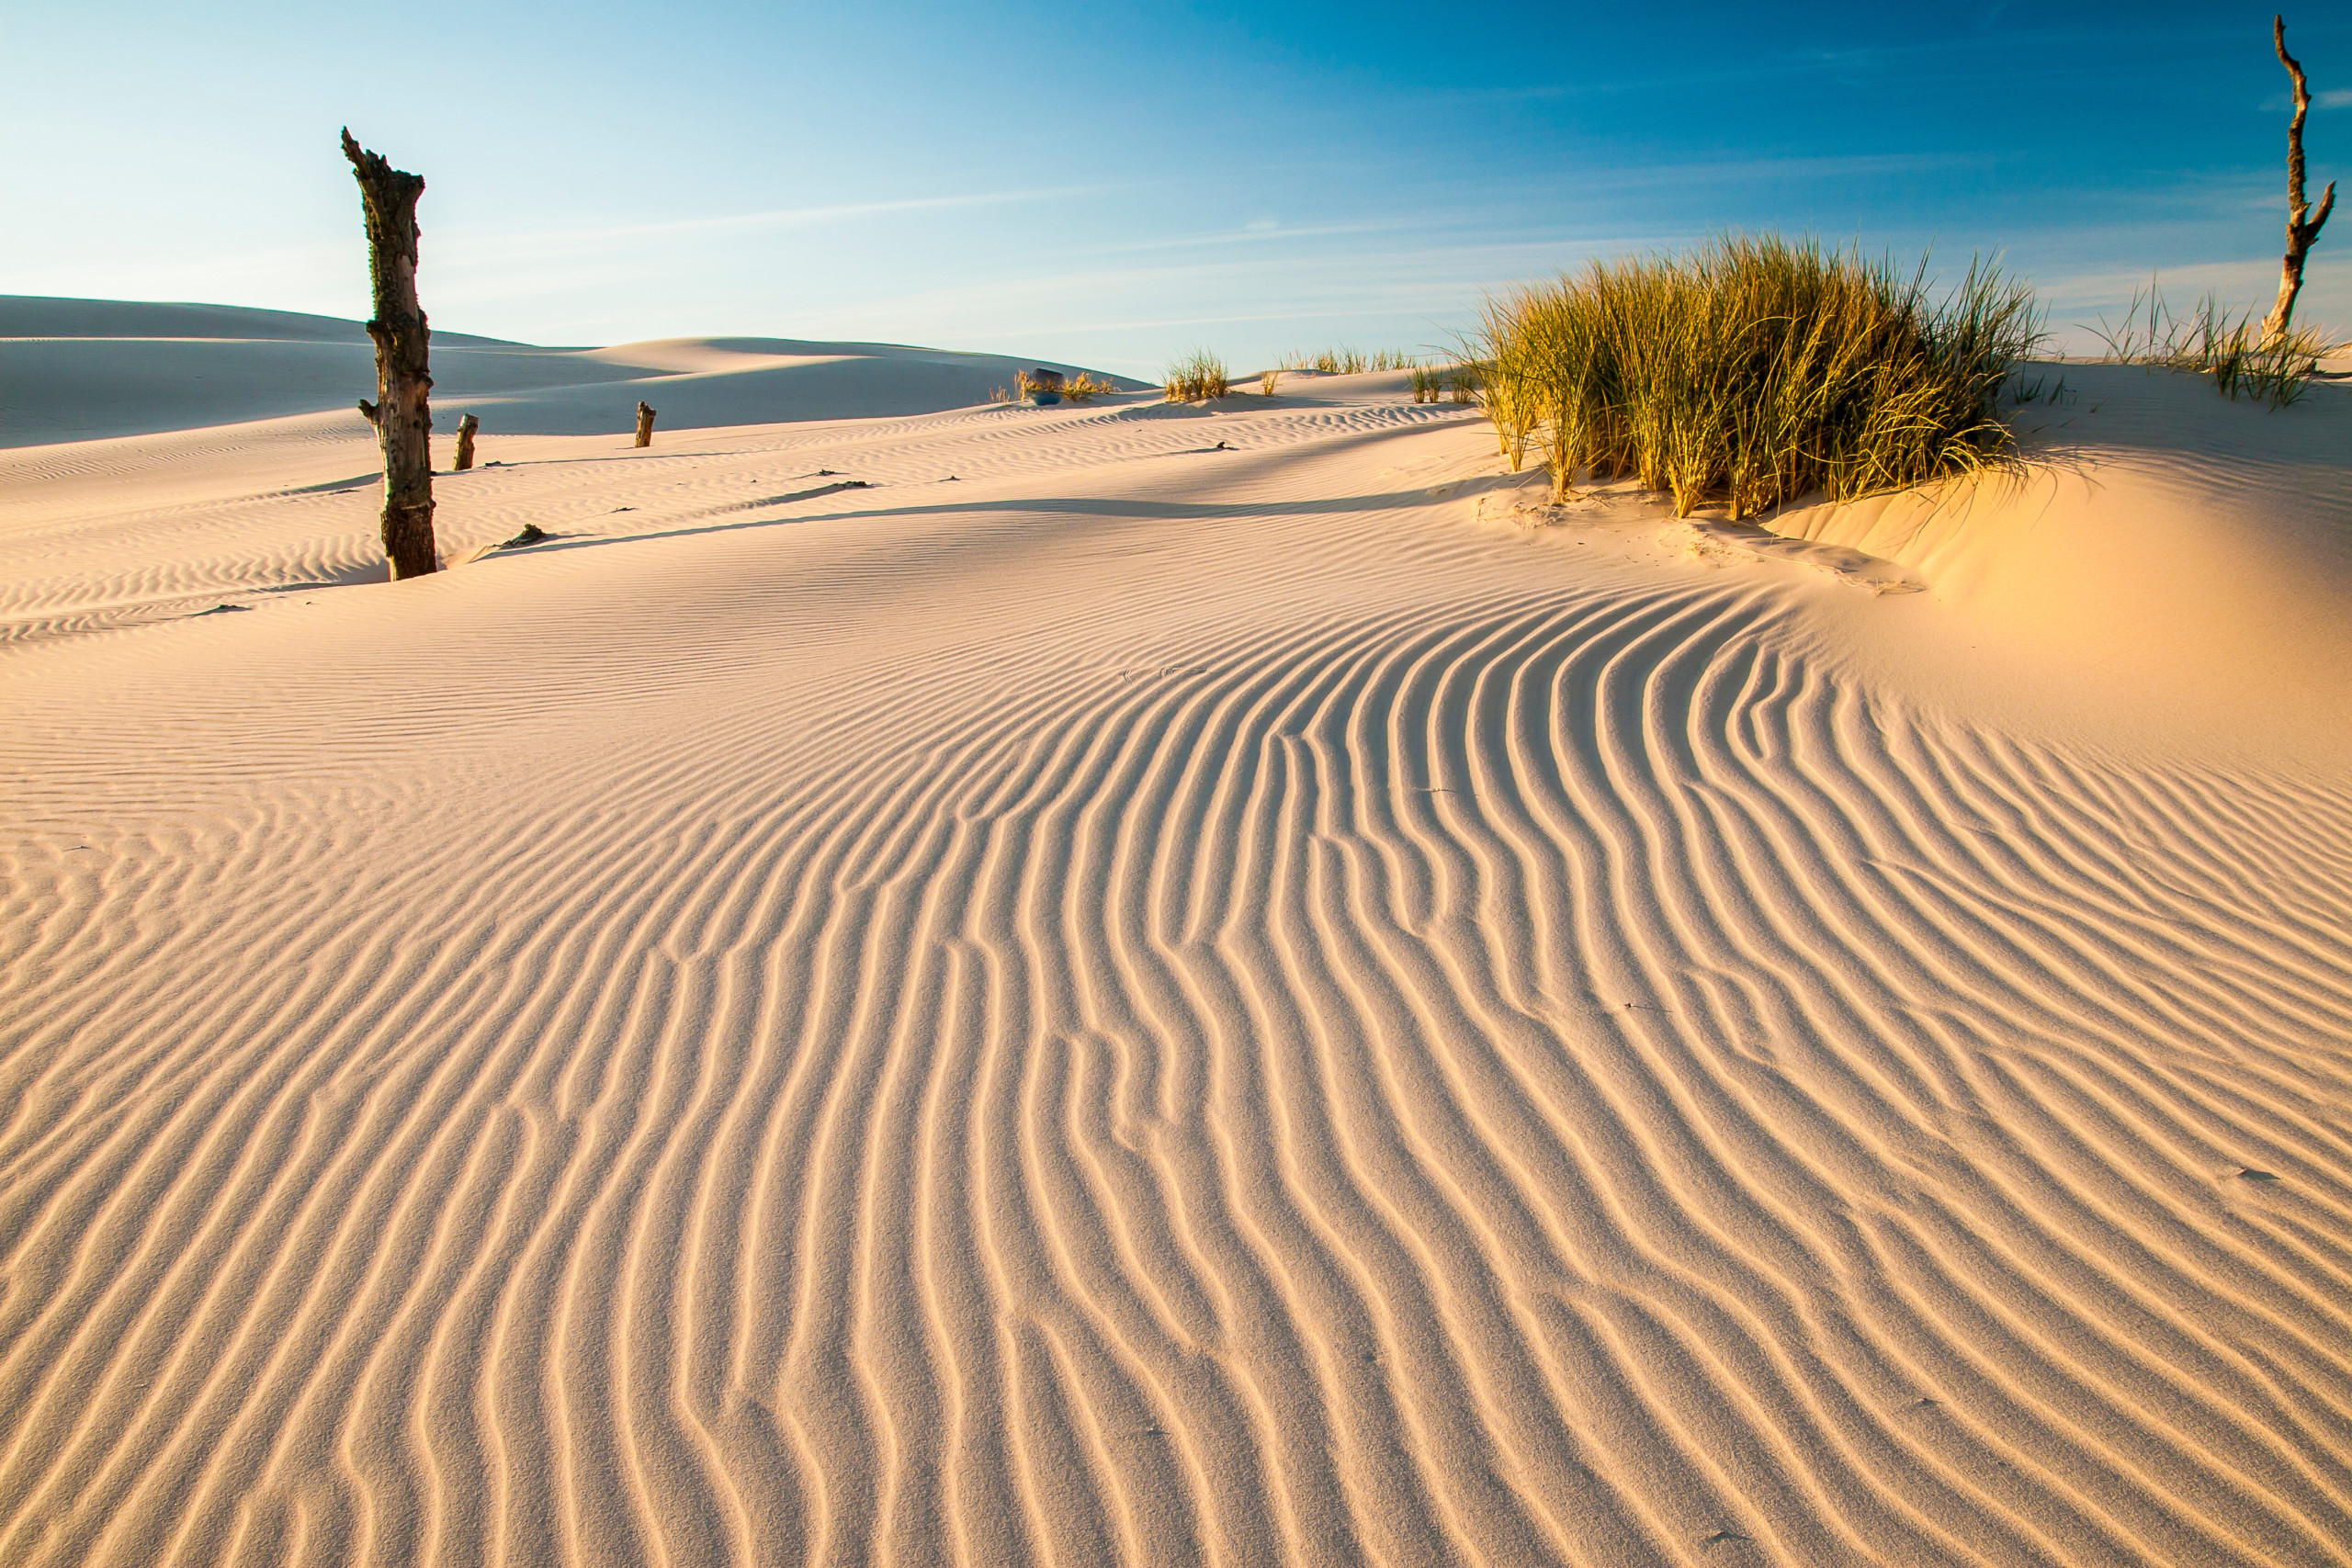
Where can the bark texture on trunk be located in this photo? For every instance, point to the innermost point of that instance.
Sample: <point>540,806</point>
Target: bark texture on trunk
<point>467,425</point>
<point>2302,226</point>
<point>644,424</point>
<point>403,386</point>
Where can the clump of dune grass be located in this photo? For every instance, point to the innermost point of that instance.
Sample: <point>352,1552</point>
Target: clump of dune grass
<point>2209,341</point>
<point>1752,371</point>
<point>1197,377</point>
<point>1085,387</point>
<point>1266,381</point>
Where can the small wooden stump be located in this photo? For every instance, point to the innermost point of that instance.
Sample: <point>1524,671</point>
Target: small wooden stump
<point>467,425</point>
<point>645,424</point>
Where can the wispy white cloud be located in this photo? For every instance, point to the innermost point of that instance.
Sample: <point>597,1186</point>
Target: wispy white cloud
<point>478,244</point>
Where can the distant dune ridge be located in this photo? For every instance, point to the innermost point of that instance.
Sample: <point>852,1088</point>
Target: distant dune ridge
<point>89,369</point>
<point>1227,987</point>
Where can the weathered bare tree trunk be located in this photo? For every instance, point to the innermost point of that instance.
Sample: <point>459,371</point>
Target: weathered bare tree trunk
<point>644,424</point>
<point>2301,232</point>
<point>467,425</point>
<point>404,388</point>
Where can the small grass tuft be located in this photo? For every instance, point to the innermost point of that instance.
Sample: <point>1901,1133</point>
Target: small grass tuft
<point>2207,341</point>
<point>1197,377</point>
<point>1456,383</point>
<point>1267,381</point>
<point>1753,371</point>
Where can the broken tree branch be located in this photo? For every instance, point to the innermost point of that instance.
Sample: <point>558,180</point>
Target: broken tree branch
<point>2302,228</point>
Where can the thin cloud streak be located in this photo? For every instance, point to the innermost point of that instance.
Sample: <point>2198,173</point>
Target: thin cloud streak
<point>479,242</point>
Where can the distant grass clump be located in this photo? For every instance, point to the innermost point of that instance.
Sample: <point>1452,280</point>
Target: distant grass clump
<point>1348,361</point>
<point>1079,388</point>
<point>1197,377</point>
<point>1326,362</point>
<point>2207,341</point>
<point>1753,371</point>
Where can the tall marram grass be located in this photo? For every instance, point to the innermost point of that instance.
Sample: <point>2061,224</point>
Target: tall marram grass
<point>1753,371</point>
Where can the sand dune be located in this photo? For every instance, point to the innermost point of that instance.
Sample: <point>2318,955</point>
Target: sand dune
<point>1150,1003</point>
<point>91,369</point>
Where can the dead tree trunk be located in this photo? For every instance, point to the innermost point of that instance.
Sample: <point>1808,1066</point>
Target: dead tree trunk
<point>2301,227</point>
<point>404,389</point>
<point>644,424</point>
<point>467,425</point>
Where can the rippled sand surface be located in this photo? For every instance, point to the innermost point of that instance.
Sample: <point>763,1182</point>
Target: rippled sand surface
<point>1106,998</point>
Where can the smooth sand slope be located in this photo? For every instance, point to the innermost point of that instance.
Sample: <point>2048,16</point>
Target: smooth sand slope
<point>91,370</point>
<point>1151,1004</point>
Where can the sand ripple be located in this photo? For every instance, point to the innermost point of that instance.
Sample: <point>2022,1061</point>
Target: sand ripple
<point>1472,1068</point>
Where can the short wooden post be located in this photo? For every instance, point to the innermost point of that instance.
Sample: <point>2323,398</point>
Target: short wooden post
<point>645,424</point>
<point>467,425</point>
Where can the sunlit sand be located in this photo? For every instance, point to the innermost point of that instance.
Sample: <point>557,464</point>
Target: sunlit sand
<point>1158,986</point>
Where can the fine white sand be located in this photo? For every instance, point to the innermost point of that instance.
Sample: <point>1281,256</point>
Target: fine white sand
<point>1148,1003</point>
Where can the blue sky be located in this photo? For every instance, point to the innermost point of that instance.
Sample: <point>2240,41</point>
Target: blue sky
<point>1115,184</point>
